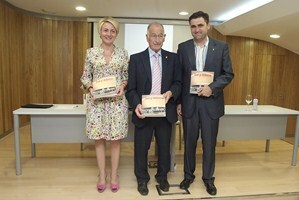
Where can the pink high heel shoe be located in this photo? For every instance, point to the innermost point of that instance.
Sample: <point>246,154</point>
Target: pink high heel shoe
<point>101,187</point>
<point>114,187</point>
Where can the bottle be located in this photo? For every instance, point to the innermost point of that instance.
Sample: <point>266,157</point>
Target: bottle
<point>255,103</point>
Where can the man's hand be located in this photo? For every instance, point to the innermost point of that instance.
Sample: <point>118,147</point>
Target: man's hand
<point>167,95</point>
<point>179,110</point>
<point>138,111</point>
<point>204,91</point>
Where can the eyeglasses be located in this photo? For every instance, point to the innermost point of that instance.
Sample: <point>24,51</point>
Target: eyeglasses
<point>160,36</point>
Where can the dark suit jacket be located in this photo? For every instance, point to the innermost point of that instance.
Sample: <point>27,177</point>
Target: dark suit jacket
<point>140,82</point>
<point>218,61</point>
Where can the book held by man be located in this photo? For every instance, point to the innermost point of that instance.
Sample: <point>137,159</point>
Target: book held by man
<point>153,106</point>
<point>104,87</point>
<point>200,79</point>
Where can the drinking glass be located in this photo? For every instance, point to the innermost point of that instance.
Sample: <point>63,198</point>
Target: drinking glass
<point>248,100</point>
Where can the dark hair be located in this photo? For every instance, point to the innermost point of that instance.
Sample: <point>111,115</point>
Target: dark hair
<point>199,14</point>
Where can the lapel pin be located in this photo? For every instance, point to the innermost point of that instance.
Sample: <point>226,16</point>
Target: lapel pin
<point>166,57</point>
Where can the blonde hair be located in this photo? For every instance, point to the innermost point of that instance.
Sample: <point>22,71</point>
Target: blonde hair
<point>109,20</point>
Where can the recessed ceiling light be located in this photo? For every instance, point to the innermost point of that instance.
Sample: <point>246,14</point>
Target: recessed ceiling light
<point>80,8</point>
<point>275,36</point>
<point>183,13</point>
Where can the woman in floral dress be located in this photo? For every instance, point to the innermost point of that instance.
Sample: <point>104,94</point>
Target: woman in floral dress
<point>106,118</point>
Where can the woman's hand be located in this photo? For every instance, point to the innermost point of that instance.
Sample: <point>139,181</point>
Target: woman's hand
<point>90,90</point>
<point>120,90</point>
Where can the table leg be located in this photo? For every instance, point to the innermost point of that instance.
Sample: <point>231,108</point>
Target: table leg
<point>33,151</point>
<point>17,145</point>
<point>296,141</point>
<point>267,145</point>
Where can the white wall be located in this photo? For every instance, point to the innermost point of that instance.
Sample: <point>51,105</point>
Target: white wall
<point>133,38</point>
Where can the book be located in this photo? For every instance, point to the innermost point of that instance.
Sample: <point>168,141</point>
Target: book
<point>153,106</point>
<point>200,79</point>
<point>104,87</point>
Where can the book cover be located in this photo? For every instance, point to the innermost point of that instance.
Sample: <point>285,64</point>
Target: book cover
<point>199,79</point>
<point>153,106</point>
<point>104,87</point>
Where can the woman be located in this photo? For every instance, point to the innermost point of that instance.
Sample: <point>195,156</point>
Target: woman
<point>106,118</point>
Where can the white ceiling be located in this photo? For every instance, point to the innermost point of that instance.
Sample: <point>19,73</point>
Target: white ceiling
<point>279,16</point>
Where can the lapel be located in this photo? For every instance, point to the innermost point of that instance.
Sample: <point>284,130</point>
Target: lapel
<point>147,64</point>
<point>191,54</point>
<point>210,54</point>
<point>164,58</point>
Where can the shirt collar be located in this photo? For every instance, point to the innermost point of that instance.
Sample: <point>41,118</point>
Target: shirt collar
<point>151,52</point>
<point>205,45</point>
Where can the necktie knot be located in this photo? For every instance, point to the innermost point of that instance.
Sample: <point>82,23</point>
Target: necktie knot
<point>156,55</point>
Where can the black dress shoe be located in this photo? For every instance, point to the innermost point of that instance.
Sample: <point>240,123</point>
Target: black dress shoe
<point>211,189</point>
<point>142,188</point>
<point>185,184</point>
<point>163,185</point>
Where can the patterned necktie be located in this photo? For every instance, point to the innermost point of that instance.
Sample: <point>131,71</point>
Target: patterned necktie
<point>156,76</point>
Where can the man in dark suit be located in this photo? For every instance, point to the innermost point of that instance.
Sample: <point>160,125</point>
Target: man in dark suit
<point>141,82</point>
<point>202,111</point>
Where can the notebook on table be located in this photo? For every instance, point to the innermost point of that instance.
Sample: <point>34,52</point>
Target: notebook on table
<point>30,105</point>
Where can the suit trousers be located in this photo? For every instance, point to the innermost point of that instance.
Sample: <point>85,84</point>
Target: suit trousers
<point>161,129</point>
<point>200,121</point>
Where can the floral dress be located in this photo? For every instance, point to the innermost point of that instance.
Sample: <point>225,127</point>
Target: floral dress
<point>106,118</point>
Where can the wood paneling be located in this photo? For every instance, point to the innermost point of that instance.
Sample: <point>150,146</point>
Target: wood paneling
<point>265,70</point>
<point>42,61</point>
<point>2,60</point>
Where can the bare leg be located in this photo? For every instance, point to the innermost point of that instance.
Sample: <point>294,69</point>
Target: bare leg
<point>100,146</point>
<point>115,153</point>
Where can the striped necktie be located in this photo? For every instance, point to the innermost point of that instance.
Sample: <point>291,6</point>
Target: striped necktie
<point>156,75</point>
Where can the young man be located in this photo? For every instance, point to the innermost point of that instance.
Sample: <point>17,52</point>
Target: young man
<point>201,111</point>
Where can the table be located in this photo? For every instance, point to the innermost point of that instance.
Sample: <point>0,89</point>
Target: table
<point>268,122</point>
<point>65,123</point>
<point>62,123</point>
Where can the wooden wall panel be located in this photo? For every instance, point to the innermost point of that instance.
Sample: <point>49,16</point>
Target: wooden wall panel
<point>79,57</point>
<point>265,70</point>
<point>41,60</point>
<point>10,74</point>
<point>242,55</point>
<point>33,59</point>
<point>47,60</point>
<point>2,61</point>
